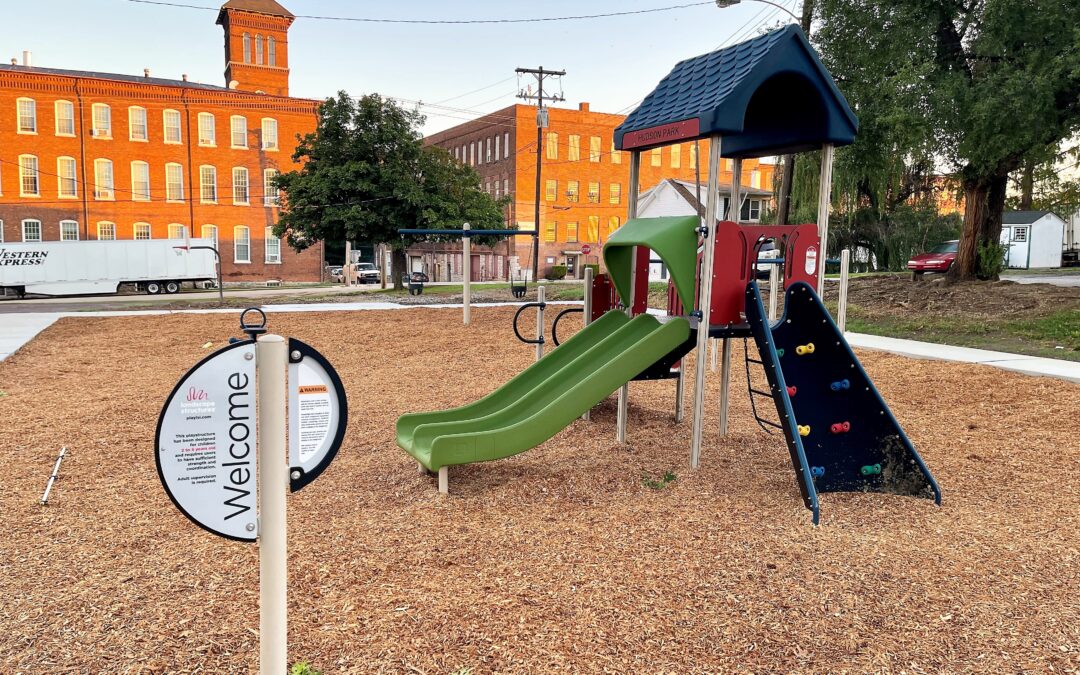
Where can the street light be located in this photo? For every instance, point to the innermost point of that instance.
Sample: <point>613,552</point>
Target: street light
<point>729,3</point>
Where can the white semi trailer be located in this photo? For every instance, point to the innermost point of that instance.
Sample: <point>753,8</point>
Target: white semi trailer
<point>84,267</point>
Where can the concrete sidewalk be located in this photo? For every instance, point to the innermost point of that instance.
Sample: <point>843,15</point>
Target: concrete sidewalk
<point>18,329</point>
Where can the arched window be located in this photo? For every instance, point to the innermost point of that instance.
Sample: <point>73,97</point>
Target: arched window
<point>177,231</point>
<point>106,231</point>
<point>209,232</point>
<point>247,48</point>
<point>141,232</point>
<point>271,51</point>
<point>258,49</point>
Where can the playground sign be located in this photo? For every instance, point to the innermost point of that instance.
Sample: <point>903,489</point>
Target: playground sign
<point>317,414</point>
<point>206,438</point>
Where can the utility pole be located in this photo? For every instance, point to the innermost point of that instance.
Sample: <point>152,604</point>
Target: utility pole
<point>541,124</point>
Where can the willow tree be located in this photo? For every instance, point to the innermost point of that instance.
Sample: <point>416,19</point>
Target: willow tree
<point>982,84</point>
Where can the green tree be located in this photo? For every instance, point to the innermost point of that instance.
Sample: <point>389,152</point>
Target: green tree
<point>365,173</point>
<point>982,84</point>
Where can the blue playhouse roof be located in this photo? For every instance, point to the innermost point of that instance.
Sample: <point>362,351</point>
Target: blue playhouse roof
<point>766,96</point>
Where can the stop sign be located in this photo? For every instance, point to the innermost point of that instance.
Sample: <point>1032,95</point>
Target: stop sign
<point>585,249</point>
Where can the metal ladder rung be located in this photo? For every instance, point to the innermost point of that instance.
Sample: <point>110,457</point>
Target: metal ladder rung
<point>760,363</point>
<point>770,423</point>
<point>761,393</point>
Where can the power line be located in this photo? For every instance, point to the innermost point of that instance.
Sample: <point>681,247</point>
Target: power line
<point>544,19</point>
<point>454,98</point>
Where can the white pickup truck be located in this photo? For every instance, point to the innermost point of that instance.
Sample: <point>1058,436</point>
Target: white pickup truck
<point>366,273</point>
<point>85,267</point>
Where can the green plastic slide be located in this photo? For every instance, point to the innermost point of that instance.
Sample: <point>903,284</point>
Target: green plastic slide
<point>546,397</point>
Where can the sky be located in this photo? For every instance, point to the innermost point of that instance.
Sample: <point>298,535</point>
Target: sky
<point>458,71</point>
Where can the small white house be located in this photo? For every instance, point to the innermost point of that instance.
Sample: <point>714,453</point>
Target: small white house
<point>1032,239</point>
<point>673,197</point>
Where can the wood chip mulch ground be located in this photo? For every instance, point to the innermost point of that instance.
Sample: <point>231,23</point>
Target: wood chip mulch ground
<point>560,559</point>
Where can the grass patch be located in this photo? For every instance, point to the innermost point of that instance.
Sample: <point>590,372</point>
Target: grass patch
<point>658,483</point>
<point>1055,335</point>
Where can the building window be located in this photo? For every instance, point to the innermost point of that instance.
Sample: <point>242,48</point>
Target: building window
<point>271,194</point>
<point>506,186</point>
<point>106,231</point>
<point>269,134</point>
<point>594,148</point>
<point>273,247</point>
<point>613,224</point>
<point>676,156</point>
<point>271,51</point>
<point>103,179</point>
<point>593,233</point>
<point>551,190</point>
<point>241,244</point>
<point>240,185</point>
<point>594,193</point>
<point>755,179</point>
<point>142,232</point>
<point>66,184</point>
<point>258,50</point>
<point>140,181</point>
<point>69,230</point>
<point>31,230</point>
<point>729,165</point>
<point>552,145</point>
<point>207,131</point>
<point>750,211</point>
<point>174,183</point>
<point>655,157</point>
<point>102,120</point>
<point>457,153</point>
<point>616,156</point>
<point>573,153</point>
<point>1,231</point>
<point>572,191</point>
<point>65,118</point>
<point>472,153</point>
<point>177,231</point>
<point>247,48</point>
<point>172,126</point>
<point>1020,234</point>
<point>571,233</point>
<point>27,111</point>
<point>488,156</point>
<point>549,231</point>
<point>208,184</point>
<point>29,178</point>
<point>238,131</point>
<point>210,232</point>
<point>137,124</point>
<point>506,144</point>
<point>497,148</point>
<point>615,193</point>
<point>693,155</point>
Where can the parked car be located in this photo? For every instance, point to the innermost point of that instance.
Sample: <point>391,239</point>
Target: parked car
<point>768,251</point>
<point>938,259</point>
<point>419,277</point>
<point>337,274</point>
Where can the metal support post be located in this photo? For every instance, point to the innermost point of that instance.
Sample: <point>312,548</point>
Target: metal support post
<point>632,206</point>
<point>705,298</point>
<point>712,354</point>
<point>541,294</point>
<point>845,278</point>
<point>52,478</point>
<point>466,296</point>
<point>587,315</point>
<point>734,210</point>
<point>271,364</point>
<point>824,201</point>
<point>774,290</point>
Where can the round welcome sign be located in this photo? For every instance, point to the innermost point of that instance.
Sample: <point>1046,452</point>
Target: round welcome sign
<point>206,443</point>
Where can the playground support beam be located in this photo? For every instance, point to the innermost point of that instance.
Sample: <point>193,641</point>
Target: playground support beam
<point>824,201</point>
<point>845,279</point>
<point>705,298</point>
<point>466,292</point>
<point>774,290</point>
<point>587,314</point>
<point>734,210</point>
<point>631,206</point>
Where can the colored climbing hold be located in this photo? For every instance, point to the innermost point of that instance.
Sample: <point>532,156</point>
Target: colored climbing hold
<point>807,348</point>
<point>840,427</point>
<point>817,471</point>
<point>804,429</point>
<point>840,385</point>
<point>870,470</point>
<point>780,352</point>
<point>791,391</point>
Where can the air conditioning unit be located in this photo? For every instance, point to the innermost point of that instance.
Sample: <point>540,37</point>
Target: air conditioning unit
<point>273,283</point>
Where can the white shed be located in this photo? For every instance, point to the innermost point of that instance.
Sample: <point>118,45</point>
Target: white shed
<point>1032,239</point>
<point>673,197</point>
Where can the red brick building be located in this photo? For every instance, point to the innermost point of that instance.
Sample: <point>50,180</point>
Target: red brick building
<point>584,179</point>
<point>86,155</point>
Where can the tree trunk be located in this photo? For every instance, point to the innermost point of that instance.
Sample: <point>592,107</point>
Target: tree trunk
<point>783,205</point>
<point>984,201</point>
<point>398,265</point>
<point>1027,185</point>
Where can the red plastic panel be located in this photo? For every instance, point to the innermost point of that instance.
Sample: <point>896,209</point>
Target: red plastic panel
<point>803,255</point>
<point>641,280</point>
<point>603,299</point>
<point>729,275</point>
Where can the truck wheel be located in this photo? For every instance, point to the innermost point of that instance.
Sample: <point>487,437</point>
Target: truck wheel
<point>172,287</point>
<point>153,287</point>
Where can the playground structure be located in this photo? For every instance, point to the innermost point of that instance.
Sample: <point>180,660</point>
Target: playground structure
<point>766,96</point>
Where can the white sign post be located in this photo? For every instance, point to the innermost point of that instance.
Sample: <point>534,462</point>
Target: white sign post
<point>221,454</point>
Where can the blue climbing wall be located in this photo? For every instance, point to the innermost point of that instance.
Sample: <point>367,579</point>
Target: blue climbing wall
<point>841,434</point>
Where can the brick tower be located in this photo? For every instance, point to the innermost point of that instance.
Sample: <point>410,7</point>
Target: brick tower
<point>256,45</point>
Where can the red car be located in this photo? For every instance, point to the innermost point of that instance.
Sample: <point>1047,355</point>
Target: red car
<point>939,259</point>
